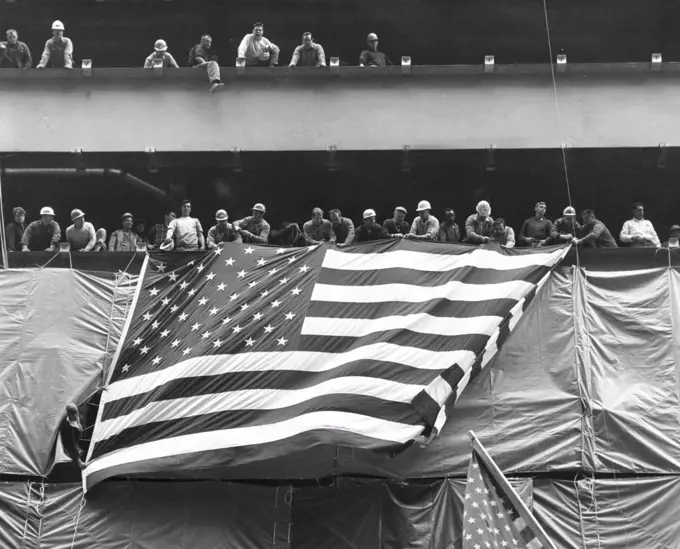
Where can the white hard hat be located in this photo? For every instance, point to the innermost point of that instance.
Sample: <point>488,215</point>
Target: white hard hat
<point>371,37</point>
<point>160,45</point>
<point>423,205</point>
<point>259,208</point>
<point>221,215</point>
<point>569,211</point>
<point>47,211</point>
<point>58,26</point>
<point>369,213</point>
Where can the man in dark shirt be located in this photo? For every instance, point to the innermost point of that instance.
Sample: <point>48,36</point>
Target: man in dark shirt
<point>596,234</point>
<point>201,56</point>
<point>536,230</point>
<point>372,57</point>
<point>14,231</point>
<point>309,54</point>
<point>370,230</point>
<point>14,54</point>
<point>448,229</point>
<point>43,235</point>
<point>397,227</point>
<point>71,431</point>
<point>223,231</point>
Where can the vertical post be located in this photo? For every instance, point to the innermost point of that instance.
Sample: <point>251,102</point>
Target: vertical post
<point>5,262</point>
<point>514,498</point>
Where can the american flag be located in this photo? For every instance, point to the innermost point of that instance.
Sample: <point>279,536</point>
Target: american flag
<point>250,352</point>
<point>490,520</point>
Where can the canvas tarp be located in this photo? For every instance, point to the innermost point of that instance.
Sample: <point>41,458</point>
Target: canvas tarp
<point>584,513</point>
<point>60,328</point>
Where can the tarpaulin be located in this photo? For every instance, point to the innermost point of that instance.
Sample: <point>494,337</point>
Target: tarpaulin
<point>197,515</point>
<point>59,331</point>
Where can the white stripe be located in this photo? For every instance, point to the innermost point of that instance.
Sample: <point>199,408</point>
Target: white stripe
<point>439,390</point>
<point>411,293</point>
<point>301,361</point>
<point>255,399</point>
<point>244,436</point>
<point>421,323</point>
<point>430,262</point>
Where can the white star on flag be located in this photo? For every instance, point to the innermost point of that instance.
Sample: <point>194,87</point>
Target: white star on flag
<point>160,267</point>
<point>290,316</point>
<point>183,317</point>
<point>280,251</point>
<point>229,262</point>
<point>250,342</point>
<point>221,286</point>
<point>156,361</point>
<point>295,291</point>
<point>137,341</point>
<point>165,301</point>
<point>214,311</point>
<point>202,301</point>
<point>282,341</point>
<point>165,333</point>
<point>184,285</point>
<point>217,343</point>
<point>304,269</point>
<point>153,291</point>
<point>172,277</point>
<point>195,327</point>
<point>200,267</point>
<point>261,261</point>
<point>211,276</point>
<point>269,328</point>
<point>249,250</point>
<point>144,350</point>
<point>275,303</point>
<point>147,316</point>
<point>241,273</point>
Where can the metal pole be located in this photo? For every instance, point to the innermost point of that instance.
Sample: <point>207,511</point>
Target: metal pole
<point>514,498</point>
<point>5,262</point>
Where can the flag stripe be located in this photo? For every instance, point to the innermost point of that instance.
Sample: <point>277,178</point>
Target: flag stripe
<point>300,361</point>
<point>431,262</point>
<point>467,274</point>
<point>441,308</point>
<point>257,399</point>
<point>410,293</point>
<point>433,342</point>
<point>281,380</point>
<point>214,413</point>
<point>344,425</point>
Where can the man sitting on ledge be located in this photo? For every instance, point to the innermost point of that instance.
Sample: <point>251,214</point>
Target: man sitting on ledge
<point>14,54</point>
<point>256,50</point>
<point>596,234</point>
<point>43,235</point>
<point>58,53</point>
<point>202,56</point>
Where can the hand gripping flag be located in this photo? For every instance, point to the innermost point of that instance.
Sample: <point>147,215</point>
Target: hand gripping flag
<point>251,352</point>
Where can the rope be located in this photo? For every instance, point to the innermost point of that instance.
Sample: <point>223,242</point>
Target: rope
<point>80,510</point>
<point>28,513</point>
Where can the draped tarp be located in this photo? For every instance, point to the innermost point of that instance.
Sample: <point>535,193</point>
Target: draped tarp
<point>587,382</point>
<point>582,513</point>
<point>59,330</point>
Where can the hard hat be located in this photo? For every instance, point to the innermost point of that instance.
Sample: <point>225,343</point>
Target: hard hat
<point>47,211</point>
<point>160,45</point>
<point>400,209</point>
<point>77,214</point>
<point>423,205</point>
<point>369,213</point>
<point>371,37</point>
<point>221,215</point>
<point>675,229</point>
<point>126,215</point>
<point>569,211</point>
<point>58,26</point>
<point>259,208</point>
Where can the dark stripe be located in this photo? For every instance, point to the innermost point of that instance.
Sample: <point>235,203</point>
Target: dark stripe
<point>405,338</point>
<point>272,379</point>
<point>358,404</point>
<point>468,275</point>
<point>314,445</point>
<point>427,408</point>
<point>442,308</point>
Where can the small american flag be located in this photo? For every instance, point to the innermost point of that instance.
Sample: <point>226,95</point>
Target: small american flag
<point>490,520</point>
<point>250,352</point>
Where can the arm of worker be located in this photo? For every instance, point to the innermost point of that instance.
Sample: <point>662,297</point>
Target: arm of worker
<point>243,46</point>
<point>320,56</point>
<point>350,231</point>
<point>295,58</point>
<point>201,238</point>
<point>28,59</point>
<point>68,53</point>
<point>56,238</point>
<point>625,235</point>
<point>472,236</point>
<point>45,58</point>
<point>93,237</point>
<point>171,61</point>
<point>509,237</point>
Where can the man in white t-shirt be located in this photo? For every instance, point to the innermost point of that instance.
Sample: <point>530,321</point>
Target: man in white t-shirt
<point>185,231</point>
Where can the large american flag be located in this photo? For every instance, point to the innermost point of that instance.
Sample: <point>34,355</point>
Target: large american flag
<point>249,352</point>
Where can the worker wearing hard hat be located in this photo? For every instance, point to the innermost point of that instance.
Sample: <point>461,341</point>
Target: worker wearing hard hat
<point>566,227</point>
<point>369,229</point>
<point>254,228</point>
<point>372,57</point>
<point>479,226</point>
<point>58,53</point>
<point>397,227</point>
<point>160,52</point>
<point>425,226</point>
<point>223,231</point>
<point>42,235</point>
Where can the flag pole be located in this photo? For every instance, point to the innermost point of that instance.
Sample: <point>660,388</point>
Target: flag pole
<point>514,498</point>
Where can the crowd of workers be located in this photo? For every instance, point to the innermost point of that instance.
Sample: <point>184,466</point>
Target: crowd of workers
<point>185,233</point>
<point>254,51</point>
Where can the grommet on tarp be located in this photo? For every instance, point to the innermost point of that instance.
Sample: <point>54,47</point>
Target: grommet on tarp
<point>86,67</point>
<point>656,61</point>
<point>489,63</point>
<point>561,62</point>
<point>406,64</point>
<point>335,65</point>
